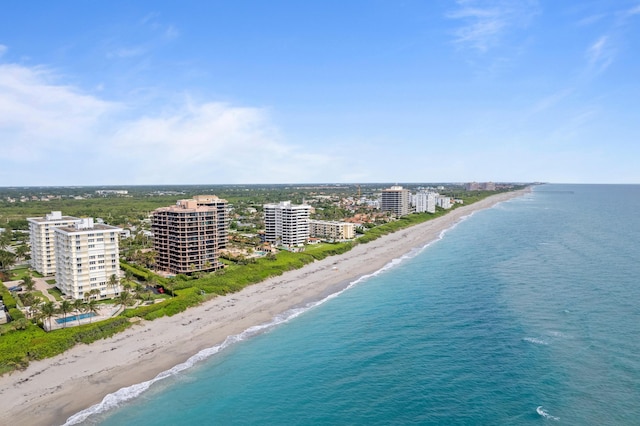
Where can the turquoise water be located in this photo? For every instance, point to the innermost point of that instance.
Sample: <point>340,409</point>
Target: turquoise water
<point>75,317</point>
<point>524,313</point>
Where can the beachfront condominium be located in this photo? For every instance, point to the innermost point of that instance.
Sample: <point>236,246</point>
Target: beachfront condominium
<point>286,224</point>
<point>395,200</point>
<point>424,201</point>
<point>41,236</point>
<point>444,202</point>
<point>332,230</point>
<point>188,236</point>
<point>87,255</point>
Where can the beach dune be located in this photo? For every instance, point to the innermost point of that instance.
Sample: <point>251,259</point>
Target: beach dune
<point>50,391</point>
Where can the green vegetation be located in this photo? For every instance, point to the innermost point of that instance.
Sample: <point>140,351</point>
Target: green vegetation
<point>19,347</point>
<point>55,292</point>
<point>402,223</point>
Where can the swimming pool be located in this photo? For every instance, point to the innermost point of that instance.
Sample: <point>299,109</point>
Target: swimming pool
<point>75,317</point>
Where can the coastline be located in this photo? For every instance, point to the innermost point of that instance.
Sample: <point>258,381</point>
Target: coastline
<point>52,390</point>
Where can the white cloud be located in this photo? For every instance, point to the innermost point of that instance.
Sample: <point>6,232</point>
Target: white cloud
<point>600,54</point>
<point>55,134</point>
<point>214,142</point>
<point>126,52</point>
<point>633,11</point>
<point>3,49</point>
<point>485,22</point>
<point>38,114</point>
<point>172,32</point>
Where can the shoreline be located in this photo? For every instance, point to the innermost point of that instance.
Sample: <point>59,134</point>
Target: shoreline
<point>50,391</point>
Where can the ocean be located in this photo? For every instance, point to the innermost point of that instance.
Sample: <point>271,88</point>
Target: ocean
<point>524,313</point>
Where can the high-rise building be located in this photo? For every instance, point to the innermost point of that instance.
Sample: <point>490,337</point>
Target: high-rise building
<point>286,223</point>
<point>425,201</point>
<point>87,255</point>
<point>443,202</point>
<point>395,200</point>
<point>43,254</point>
<point>188,237</point>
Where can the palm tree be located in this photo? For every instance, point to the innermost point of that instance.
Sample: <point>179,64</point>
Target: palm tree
<point>171,284</point>
<point>28,300</point>
<point>125,298</point>
<point>28,282</point>
<point>65,308</point>
<point>35,310</point>
<point>92,307</point>
<point>48,310</point>
<point>113,282</point>
<point>22,250</point>
<point>150,258</point>
<point>78,306</point>
<point>5,238</point>
<point>7,260</point>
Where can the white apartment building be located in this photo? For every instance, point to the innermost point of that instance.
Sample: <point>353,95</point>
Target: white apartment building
<point>43,254</point>
<point>424,201</point>
<point>396,200</point>
<point>332,230</point>
<point>87,256</point>
<point>444,202</point>
<point>286,223</point>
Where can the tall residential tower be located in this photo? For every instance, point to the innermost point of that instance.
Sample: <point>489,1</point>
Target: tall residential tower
<point>188,237</point>
<point>396,200</point>
<point>43,254</point>
<point>286,224</point>
<point>87,255</point>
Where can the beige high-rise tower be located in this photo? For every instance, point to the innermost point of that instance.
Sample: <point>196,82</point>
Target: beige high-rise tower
<point>188,237</point>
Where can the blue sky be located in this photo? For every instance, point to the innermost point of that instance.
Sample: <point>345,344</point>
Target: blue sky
<point>159,92</point>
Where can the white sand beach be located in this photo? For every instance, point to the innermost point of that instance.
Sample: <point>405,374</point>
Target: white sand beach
<point>50,391</point>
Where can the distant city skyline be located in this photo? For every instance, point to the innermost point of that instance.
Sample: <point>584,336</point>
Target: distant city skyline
<point>144,93</point>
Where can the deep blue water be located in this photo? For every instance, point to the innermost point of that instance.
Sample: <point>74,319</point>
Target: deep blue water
<point>524,313</point>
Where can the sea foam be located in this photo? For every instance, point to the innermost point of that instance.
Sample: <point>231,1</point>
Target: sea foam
<point>544,414</point>
<point>535,340</point>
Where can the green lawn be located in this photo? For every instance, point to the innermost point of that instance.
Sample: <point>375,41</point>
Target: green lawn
<point>55,292</point>
<point>18,274</point>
